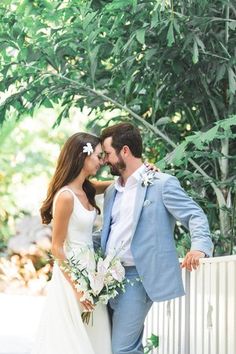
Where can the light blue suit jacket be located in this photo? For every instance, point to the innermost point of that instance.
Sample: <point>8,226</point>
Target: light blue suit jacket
<point>157,208</point>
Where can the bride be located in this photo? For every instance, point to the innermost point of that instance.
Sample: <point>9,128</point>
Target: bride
<point>70,203</point>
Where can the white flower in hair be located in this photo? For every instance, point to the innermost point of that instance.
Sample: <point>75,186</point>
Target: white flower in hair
<point>88,149</point>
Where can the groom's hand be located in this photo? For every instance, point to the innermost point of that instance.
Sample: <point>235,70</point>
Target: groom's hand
<point>191,260</point>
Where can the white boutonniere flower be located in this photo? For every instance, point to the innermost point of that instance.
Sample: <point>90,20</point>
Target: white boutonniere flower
<point>88,149</point>
<point>147,178</point>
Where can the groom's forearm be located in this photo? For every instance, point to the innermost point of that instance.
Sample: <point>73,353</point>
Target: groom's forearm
<point>189,213</point>
<point>101,186</point>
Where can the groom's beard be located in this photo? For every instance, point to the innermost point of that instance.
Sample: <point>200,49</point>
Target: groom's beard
<point>118,167</point>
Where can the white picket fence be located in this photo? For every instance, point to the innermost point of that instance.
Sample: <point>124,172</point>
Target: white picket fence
<point>203,321</point>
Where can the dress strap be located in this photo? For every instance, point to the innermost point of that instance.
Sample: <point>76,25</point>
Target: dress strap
<point>57,195</point>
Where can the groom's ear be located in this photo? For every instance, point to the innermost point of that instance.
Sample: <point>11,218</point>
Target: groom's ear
<point>126,150</point>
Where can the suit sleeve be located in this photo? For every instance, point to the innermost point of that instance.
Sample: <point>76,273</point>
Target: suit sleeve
<point>188,212</point>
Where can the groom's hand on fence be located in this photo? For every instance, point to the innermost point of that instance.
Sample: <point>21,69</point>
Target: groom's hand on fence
<point>191,260</point>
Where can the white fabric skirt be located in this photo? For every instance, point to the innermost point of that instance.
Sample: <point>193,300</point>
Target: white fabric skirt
<point>61,328</point>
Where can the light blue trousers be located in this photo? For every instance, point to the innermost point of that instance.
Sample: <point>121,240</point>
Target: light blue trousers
<point>128,311</point>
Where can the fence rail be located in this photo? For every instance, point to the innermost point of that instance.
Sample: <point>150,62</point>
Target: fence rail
<point>203,321</point>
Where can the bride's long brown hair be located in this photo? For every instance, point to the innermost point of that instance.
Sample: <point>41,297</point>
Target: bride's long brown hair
<point>69,165</point>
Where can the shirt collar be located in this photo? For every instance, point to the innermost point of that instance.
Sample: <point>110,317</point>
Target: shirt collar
<point>132,180</point>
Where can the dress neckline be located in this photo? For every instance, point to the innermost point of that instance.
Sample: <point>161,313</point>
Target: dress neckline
<point>77,198</point>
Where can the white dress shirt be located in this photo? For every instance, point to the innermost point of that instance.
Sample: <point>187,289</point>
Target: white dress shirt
<point>122,216</point>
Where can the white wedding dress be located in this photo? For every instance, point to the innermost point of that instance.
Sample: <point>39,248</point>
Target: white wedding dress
<point>61,329</point>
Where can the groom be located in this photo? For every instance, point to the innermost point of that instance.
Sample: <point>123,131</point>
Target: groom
<point>140,211</point>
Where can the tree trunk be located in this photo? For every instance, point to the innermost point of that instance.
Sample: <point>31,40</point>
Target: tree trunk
<point>224,216</point>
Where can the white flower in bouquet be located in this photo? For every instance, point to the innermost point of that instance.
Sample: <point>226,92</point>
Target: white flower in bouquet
<point>117,271</point>
<point>86,259</point>
<point>102,266</point>
<point>108,280</point>
<point>96,282</point>
<point>109,258</point>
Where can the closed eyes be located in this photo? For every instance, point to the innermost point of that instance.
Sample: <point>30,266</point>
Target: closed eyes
<point>100,156</point>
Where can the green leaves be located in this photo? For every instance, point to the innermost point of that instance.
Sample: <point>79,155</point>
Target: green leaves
<point>129,54</point>
<point>201,141</point>
<point>103,46</point>
<point>89,17</point>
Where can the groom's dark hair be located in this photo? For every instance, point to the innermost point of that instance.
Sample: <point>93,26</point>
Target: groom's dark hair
<point>124,134</point>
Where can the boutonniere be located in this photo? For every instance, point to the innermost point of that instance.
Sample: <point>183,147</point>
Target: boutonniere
<point>147,178</point>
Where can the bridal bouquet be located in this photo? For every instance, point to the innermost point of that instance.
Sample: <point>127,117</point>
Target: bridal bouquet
<point>99,277</point>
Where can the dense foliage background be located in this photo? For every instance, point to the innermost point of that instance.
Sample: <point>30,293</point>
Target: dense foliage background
<point>167,66</point>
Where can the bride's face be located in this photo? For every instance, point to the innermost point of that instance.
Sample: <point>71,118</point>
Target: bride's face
<point>94,161</point>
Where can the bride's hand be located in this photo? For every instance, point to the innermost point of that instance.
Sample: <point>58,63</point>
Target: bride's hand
<point>151,167</point>
<point>87,305</point>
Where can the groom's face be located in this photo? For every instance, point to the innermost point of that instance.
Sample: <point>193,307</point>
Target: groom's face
<point>112,158</point>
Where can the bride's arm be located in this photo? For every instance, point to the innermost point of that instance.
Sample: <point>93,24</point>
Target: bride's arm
<point>62,213</point>
<point>101,186</point>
